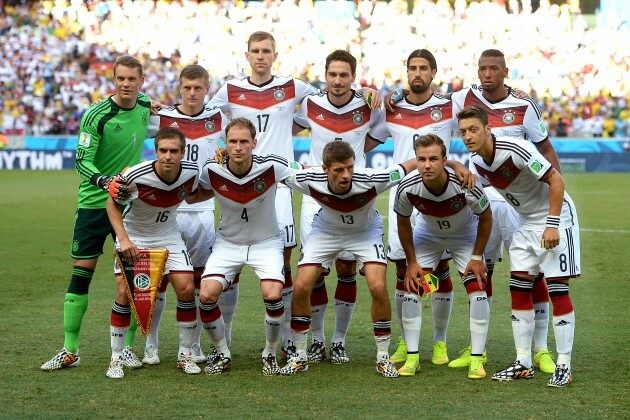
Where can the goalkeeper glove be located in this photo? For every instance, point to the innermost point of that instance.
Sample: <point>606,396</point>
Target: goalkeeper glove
<point>103,182</point>
<point>119,188</point>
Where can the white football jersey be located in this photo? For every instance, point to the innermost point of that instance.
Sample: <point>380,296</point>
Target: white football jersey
<point>247,203</point>
<point>354,211</point>
<point>512,117</point>
<point>350,123</point>
<point>450,212</point>
<point>151,212</point>
<point>409,121</point>
<point>269,106</point>
<point>515,171</point>
<point>203,132</point>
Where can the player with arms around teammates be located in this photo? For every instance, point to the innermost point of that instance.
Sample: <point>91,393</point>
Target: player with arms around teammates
<point>347,221</point>
<point>203,127</point>
<point>150,220</point>
<point>420,112</point>
<point>245,188</point>
<point>514,115</point>
<point>339,114</point>
<point>451,218</point>
<point>111,138</point>
<point>547,240</point>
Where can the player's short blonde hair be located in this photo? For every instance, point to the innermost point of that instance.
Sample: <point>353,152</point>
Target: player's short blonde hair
<point>337,151</point>
<point>194,71</point>
<point>241,122</point>
<point>128,61</point>
<point>429,140</point>
<point>261,36</point>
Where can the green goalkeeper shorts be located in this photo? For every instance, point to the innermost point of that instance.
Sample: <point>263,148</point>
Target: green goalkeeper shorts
<point>91,228</point>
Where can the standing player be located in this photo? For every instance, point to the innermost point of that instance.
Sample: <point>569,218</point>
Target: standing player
<point>245,188</point>
<point>347,221</point>
<point>110,139</point>
<point>340,114</point>
<point>420,112</point>
<point>157,189</point>
<point>451,218</point>
<point>521,118</point>
<point>203,128</point>
<point>269,102</point>
<point>546,241</point>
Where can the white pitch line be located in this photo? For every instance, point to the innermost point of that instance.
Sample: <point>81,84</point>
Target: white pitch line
<point>604,230</point>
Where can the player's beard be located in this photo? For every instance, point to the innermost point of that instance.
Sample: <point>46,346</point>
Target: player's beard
<point>418,89</point>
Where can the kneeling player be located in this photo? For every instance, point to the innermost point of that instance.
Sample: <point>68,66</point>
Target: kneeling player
<point>248,234</point>
<point>448,220</point>
<point>547,239</point>
<point>157,189</point>
<point>348,221</point>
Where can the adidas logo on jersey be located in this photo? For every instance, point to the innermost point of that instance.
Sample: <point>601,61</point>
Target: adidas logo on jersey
<point>175,125</point>
<point>117,128</point>
<point>320,117</point>
<point>151,197</point>
<point>242,97</point>
<point>223,187</point>
<point>398,117</point>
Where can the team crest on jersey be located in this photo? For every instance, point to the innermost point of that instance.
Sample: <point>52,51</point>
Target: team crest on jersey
<point>182,194</point>
<point>436,114</point>
<point>145,118</point>
<point>142,281</point>
<point>210,126</point>
<point>279,95</point>
<point>357,119</point>
<point>456,205</point>
<point>360,199</point>
<point>508,117</point>
<point>259,186</point>
<point>507,173</point>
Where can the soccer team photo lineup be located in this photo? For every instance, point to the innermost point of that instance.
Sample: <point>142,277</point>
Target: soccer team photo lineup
<point>236,151</point>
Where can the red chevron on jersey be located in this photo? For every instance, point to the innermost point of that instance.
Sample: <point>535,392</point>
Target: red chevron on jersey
<point>162,198</point>
<point>498,117</point>
<point>441,209</point>
<point>261,99</point>
<point>416,119</point>
<point>503,176</point>
<point>243,193</point>
<point>346,204</point>
<point>193,129</point>
<point>339,123</point>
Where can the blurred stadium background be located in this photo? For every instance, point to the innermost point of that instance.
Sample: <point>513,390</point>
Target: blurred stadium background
<point>572,56</point>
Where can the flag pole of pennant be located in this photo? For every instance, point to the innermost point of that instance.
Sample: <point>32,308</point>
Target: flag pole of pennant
<point>142,283</point>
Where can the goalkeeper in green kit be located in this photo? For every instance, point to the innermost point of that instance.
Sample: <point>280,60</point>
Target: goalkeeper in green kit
<point>110,139</point>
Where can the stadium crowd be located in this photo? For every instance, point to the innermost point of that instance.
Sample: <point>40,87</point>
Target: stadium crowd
<point>55,56</point>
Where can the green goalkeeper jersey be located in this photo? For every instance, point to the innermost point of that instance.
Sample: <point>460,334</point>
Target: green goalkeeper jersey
<point>110,139</point>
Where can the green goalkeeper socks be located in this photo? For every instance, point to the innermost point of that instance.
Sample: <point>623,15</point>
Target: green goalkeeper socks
<point>74,308</point>
<point>133,326</point>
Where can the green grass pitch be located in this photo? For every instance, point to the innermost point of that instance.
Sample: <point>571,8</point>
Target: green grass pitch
<point>35,232</point>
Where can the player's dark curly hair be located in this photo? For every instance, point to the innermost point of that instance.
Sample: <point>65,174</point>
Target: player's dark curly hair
<point>429,140</point>
<point>170,133</point>
<point>422,53</point>
<point>342,55</point>
<point>473,111</point>
<point>337,151</point>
